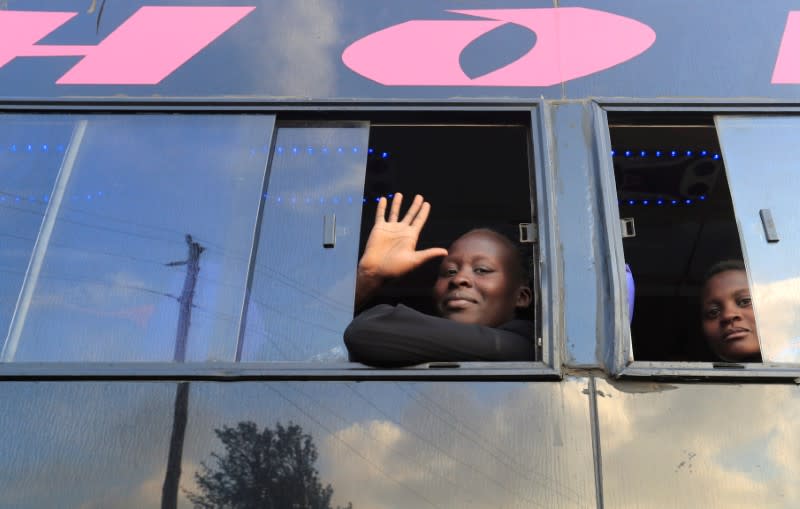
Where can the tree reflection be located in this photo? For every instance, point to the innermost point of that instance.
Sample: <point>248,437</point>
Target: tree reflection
<point>262,469</point>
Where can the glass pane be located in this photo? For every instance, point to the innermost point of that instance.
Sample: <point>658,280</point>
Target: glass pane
<point>761,155</point>
<point>112,263</point>
<point>302,292</point>
<point>31,152</point>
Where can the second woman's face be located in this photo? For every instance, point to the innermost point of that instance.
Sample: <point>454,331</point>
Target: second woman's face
<point>477,283</point>
<point>729,323</point>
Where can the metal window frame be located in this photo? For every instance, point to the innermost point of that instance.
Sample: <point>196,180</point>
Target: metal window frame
<point>617,342</point>
<point>541,175</point>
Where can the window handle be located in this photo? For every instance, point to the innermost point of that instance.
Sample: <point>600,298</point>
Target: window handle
<point>329,231</point>
<point>769,225</point>
<point>527,233</point>
<point>628,227</point>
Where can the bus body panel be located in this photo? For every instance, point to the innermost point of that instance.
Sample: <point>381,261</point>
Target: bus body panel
<point>379,444</point>
<point>289,52</point>
<point>582,428</point>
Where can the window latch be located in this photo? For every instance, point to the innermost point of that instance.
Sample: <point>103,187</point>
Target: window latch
<point>769,225</point>
<point>329,231</point>
<point>527,233</point>
<point>628,227</point>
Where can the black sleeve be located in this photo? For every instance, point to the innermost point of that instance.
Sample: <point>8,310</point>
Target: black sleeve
<point>400,336</point>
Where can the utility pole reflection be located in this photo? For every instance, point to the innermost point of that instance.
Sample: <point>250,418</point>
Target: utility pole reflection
<point>169,493</point>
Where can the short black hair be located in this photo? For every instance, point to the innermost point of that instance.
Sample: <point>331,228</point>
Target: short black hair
<point>723,266</point>
<point>519,267</point>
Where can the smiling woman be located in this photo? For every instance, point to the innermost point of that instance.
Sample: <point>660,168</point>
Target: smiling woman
<point>482,280</point>
<point>479,290</point>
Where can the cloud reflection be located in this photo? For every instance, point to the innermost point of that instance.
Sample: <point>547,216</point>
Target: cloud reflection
<point>700,446</point>
<point>297,52</point>
<point>777,305</point>
<point>450,447</point>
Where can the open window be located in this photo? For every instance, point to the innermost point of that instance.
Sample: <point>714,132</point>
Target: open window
<point>677,221</point>
<point>474,175</point>
<point>695,190</point>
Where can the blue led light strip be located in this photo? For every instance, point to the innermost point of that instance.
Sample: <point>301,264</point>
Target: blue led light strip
<point>666,154</point>
<point>662,202</point>
<point>324,150</point>
<point>22,148</point>
<point>335,200</point>
<point>6,197</point>
<point>30,148</point>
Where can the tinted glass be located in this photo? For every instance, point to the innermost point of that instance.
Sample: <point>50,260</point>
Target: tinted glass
<point>303,286</point>
<point>112,277</point>
<point>698,445</point>
<point>761,156</point>
<point>31,151</point>
<point>375,444</point>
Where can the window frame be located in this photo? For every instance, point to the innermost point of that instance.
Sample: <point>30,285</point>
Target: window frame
<point>616,344</point>
<point>540,174</point>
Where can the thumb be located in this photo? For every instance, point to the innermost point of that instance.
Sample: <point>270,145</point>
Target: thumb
<point>429,254</point>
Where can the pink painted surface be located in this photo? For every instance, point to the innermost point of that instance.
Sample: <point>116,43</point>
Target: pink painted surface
<point>416,51</point>
<point>787,65</point>
<point>19,30</point>
<point>144,50</point>
<point>571,42</point>
<point>151,44</point>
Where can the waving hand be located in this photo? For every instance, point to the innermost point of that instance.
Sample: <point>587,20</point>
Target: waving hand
<point>391,249</point>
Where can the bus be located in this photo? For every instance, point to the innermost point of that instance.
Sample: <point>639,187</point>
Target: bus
<point>186,187</point>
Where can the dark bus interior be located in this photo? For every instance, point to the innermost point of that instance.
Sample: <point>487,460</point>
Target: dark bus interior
<point>473,174</point>
<point>671,182</point>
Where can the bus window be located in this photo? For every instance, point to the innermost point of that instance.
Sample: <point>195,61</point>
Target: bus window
<point>761,155</point>
<point>673,195</point>
<point>129,234</point>
<point>304,273</point>
<point>201,238</point>
<point>473,176</point>
<point>301,298</point>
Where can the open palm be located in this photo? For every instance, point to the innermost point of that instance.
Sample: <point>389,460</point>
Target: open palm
<point>391,249</point>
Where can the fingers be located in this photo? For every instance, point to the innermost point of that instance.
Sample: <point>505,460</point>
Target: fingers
<point>413,210</point>
<point>394,212</point>
<point>416,215</point>
<point>422,215</point>
<point>380,212</point>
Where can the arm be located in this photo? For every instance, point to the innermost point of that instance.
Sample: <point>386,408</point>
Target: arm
<point>393,336</point>
<point>391,247</point>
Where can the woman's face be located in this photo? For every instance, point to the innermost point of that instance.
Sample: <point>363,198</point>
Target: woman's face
<point>728,320</point>
<point>478,283</point>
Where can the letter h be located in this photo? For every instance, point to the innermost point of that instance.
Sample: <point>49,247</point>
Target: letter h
<point>143,50</point>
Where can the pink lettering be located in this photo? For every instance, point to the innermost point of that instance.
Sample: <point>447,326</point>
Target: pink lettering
<point>571,42</point>
<point>144,50</point>
<point>787,65</point>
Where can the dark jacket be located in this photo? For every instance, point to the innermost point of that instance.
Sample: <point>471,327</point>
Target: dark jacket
<point>392,336</point>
